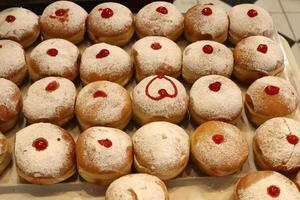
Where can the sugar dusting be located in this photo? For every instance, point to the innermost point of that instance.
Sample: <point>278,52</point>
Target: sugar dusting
<point>7,92</point>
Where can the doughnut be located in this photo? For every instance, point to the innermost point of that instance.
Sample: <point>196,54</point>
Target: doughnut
<point>105,62</point>
<point>137,186</point>
<point>266,185</point>
<point>111,23</point>
<point>159,19</point>
<point>159,98</point>
<point>63,19</point>
<point>215,97</point>
<point>50,99</point>
<point>156,55</point>
<point>10,104</point>
<point>161,149</point>
<point>270,97</point>
<point>218,148</point>
<point>275,145</point>
<point>12,61</point>
<point>103,103</point>
<point>20,25</point>
<point>206,58</point>
<point>44,154</point>
<point>206,22</point>
<point>103,154</point>
<point>54,57</point>
<point>255,57</point>
<point>249,20</point>
<point>5,153</point>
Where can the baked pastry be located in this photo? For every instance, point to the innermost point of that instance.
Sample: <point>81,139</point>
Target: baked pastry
<point>161,19</point>
<point>159,98</point>
<point>255,57</point>
<point>266,94</point>
<point>275,145</point>
<point>5,153</point>
<point>110,23</point>
<point>266,185</point>
<point>137,186</point>
<point>103,103</point>
<point>249,20</point>
<point>105,62</point>
<point>50,99</point>
<point>54,57</point>
<point>161,149</point>
<point>218,148</point>
<point>63,19</point>
<point>297,180</point>
<point>10,104</point>
<point>215,97</point>
<point>20,25</point>
<point>12,61</point>
<point>44,154</point>
<point>156,55</point>
<point>103,154</point>
<point>206,22</point>
<point>205,58</point>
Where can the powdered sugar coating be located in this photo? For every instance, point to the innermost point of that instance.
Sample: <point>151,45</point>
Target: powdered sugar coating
<point>46,163</point>
<point>137,186</point>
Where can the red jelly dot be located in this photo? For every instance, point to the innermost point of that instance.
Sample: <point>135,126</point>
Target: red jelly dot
<point>252,13</point>
<point>10,18</point>
<point>106,13</point>
<point>206,11</point>
<point>216,86</point>
<point>272,90</point>
<point>52,86</point>
<point>273,191</point>
<point>102,53</point>
<point>292,139</point>
<point>52,52</point>
<point>263,48</point>
<point>40,144</point>
<point>106,142</point>
<point>208,49</point>
<point>99,93</point>
<point>218,139</point>
<point>155,46</point>
<point>162,10</point>
<point>163,93</point>
<point>60,12</point>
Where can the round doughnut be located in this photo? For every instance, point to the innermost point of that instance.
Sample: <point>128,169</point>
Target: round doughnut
<point>50,99</point>
<point>156,55</point>
<point>161,19</point>
<point>5,153</point>
<point>159,98</point>
<point>105,62</point>
<point>103,103</point>
<point>103,154</point>
<point>63,19</point>
<point>111,23</point>
<point>268,93</point>
<point>20,25</point>
<point>54,57</point>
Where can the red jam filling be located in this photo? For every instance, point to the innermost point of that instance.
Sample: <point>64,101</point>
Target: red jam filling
<point>52,52</point>
<point>206,11</point>
<point>271,90</point>
<point>40,144</point>
<point>10,18</point>
<point>218,139</point>
<point>252,13</point>
<point>60,12</point>
<point>52,86</point>
<point>263,48</point>
<point>208,49</point>
<point>162,10</point>
<point>215,86</point>
<point>162,93</point>
<point>102,53</point>
<point>155,46</point>
<point>99,93</point>
<point>273,191</point>
<point>106,13</point>
<point>292,139</point>
<point>106,143</point>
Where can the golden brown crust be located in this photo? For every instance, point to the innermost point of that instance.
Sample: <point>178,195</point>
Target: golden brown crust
<point>5,153</point>
<point>297,180</point>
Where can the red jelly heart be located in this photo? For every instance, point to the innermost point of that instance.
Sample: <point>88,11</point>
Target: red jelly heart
<point>252,13</point>
<point>60,12</point>
<point>40,144</point>
<point>52,52</point>
<point>102,53</point>
<point>162,92</point>
<point>216,86</point>
<point>10,18</point>
<point>218,139</point>
<point>107,13</point>
<point>52,86</point>
<point>206,11</point>
<point>208,49</point>
<point>155,46</point>
<point>273,191</point>
<point>99,93</point>
<point>272,90</point>
<point>263,48</point>
<point>292,139</point>
<point>106,143</point>
<point>162,10</point>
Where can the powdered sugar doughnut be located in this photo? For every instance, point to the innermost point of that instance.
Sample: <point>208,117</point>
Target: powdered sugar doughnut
<point>103,103</point>
<point>215,97</point>
<point>20,25</point>
<point>268,93</point>
<point>156,55</point>
<point>159,98</point>
<point>50,99</point>
<point>161,149</point>
<point>205,58</point>
<point>206,22</point>
<point>266,185</point>
<point>159,18</point>
<point>63,19</point>
<point>255,57</point>
<point>111,23</point>
<point>54,57</point>
<point>103,154</point>
<point>249,20</point>
<point>12,61</point>
<point>275,145</point>
<point>137,186</point>
<point>105,62</point>
<point>5,153</point>
<point>44,154</point>
<point>10,104</point>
